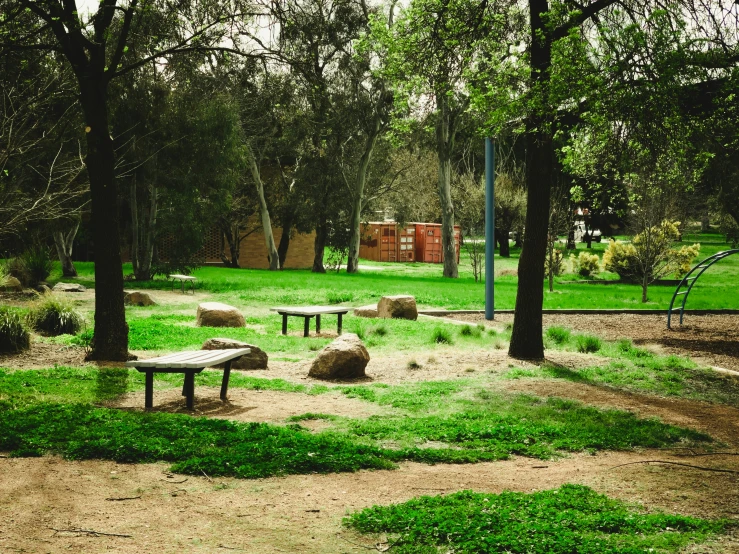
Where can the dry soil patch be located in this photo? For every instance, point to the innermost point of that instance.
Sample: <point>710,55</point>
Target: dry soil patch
<point>302,513</point>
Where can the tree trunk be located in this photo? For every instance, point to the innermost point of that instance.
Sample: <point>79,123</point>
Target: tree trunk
<point>319,246</point>
<point>352,263</point>
<point>110,339</point>
<point>287,224</point>
<point>272,255</point>
<point>526,340</point>
<point>142,233</point>
<point>505,247</point>
<point>444,143</point>
<point>64,243</point>
<point>231,232</point>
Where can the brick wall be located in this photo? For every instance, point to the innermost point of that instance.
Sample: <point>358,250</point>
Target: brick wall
<point>253,252</point>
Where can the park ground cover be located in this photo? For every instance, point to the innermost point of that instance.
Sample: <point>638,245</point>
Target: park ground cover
<point>444,410</point>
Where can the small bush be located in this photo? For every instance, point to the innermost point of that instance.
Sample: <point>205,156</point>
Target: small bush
<point>84,339</point>
<point>556,261</point>
<point>469,331</point>
<point>14,337</point>
<point>4,275</point>
<point>334,297</point>
<point>586,264</point>
<point>379,330</point>
<point>559,335</point>
<point>588,344</point>
<point>442,336</point>
<point>53,316</point>
<point>413,364</point>
<point>38,265</point>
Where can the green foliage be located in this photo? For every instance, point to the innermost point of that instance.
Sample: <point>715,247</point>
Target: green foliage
<point>588,344</point>
<point>568,520</point>
<point>442,336</point>
<point>193,445</point>
<point>559,335</point>
<point>14,337</point>
<point>556,262</point>
<point>380,330</point>
<point>586,264</point>
<point>83,339</point>
<point>37,265</point>
<point>53,316</point>
<point>337,297</point>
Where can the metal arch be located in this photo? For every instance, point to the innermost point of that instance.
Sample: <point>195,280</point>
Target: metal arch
<point>688,282</point>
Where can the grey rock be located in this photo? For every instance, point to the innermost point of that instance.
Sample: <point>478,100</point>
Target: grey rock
<point>12,285</point>
<point>215,314</point>
<point>345,358</point>
<point>69,287</point>
<point>256,359</point>
<point>398,307</point>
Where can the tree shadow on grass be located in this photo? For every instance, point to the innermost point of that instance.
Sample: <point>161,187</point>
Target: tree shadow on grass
<point>110,383</point>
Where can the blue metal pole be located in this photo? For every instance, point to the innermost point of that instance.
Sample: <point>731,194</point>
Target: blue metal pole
<point>489,229</point>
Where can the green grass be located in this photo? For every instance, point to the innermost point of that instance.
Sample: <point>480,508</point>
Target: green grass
<point>573,519</point>
<point>260,288</point>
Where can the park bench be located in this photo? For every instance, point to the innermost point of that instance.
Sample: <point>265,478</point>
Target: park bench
<point>183,279</point>
<point>189,363</point>
<point>308,312</point>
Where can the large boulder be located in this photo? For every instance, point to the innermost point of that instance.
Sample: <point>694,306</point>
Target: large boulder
<point>345,358</point>
<point>399,307</point>
<point>366,311</point>
<point>69,287</point>
<point>12,285</point>
<point>215,314</point>
<point>136,298</point>
<point>256,359</point>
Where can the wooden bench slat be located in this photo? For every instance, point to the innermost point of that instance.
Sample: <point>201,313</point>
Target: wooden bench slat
<point>191,359</point>
<point>310,310</point>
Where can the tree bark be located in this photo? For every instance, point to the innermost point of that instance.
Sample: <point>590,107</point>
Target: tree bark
<point>282,248</point>
<point>445,130</point>
<point>352,263</point>
<point>110,339</point>
<point>231,232</point>
<point>269,239</point>
<point>526,340</point>
<point>142,233</point>
<point>319,245</point>
<point>505,247</point>
<point>64,243</point>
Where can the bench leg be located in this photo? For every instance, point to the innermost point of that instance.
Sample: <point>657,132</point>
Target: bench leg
<point>190,388</point>
<point>284,324</point>
<point>306,327</point>
<point>149,391</point>
<point>224,383</point>
<point>318,323</point>
<point>339,324</point>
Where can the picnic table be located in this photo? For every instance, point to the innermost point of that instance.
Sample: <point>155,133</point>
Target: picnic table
<point>308,312</point>
<point>189,363</point>
<point>183,279</point>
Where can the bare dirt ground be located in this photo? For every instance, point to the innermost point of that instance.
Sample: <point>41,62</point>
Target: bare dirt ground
<point>711,340</point>
<point>49,505</point>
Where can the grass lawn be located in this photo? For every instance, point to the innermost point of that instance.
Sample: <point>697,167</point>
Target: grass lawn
<point>716,289</point>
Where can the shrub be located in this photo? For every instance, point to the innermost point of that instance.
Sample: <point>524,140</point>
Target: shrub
<point>559,335</point>
<point>621,258</point>
<point>15,267</point>
<point>54,316</point>
<point>469,331</point>
<point>556,260</point>
<point>38,265</point>
<point>4,275</point>
<point>586,264</point>
<point>588,344</point>
<point>442,336</point>
<point>338,297</point>
<point>14,337</point>
<point>379,330</point>
<point>84,339</point>
<point>413,364</point>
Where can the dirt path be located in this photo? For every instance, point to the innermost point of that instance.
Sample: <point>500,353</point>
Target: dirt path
<point>173,513</point>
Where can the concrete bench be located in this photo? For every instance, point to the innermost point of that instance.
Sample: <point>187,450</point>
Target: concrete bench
<point>308,312</point>
<point>189,363</point>
<point>182,280</point>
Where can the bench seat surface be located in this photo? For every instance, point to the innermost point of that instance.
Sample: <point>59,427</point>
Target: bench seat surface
<point>311,310</point>
<point>192,359</point>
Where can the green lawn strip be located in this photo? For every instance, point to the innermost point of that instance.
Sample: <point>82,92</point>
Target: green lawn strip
<point>90,385</point>
<point>572,519</point>
<point>261,288</point>
<point>172,332</point>
<point>495,426</point>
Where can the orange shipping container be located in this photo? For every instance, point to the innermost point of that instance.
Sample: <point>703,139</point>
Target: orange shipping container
<point>429,247</point>
<point>378,242</point>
